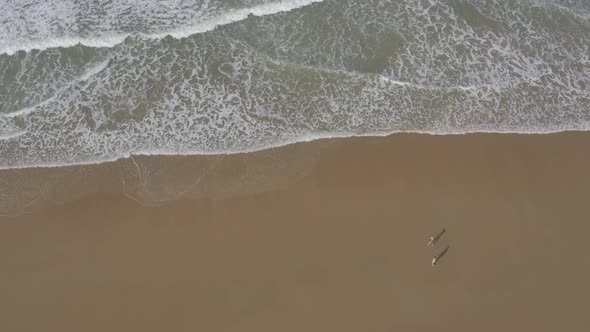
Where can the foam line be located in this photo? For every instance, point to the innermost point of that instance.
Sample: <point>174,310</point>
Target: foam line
<point>7,47</point>
<point>12,135</point>
<point>27,110</point>
<point>302,139</point>
<point>235,16</point>
<point>65,42</point>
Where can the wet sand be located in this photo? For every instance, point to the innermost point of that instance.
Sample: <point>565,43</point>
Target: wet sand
<point>338,246</point>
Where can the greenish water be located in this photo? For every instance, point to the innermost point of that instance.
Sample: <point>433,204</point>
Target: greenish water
<point>88,82</point>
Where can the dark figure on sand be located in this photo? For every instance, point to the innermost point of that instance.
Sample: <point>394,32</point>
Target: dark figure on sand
<point>439,256</point>
<point>434,239</point>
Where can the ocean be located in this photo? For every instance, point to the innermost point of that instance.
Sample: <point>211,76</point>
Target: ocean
<point>85,82</point>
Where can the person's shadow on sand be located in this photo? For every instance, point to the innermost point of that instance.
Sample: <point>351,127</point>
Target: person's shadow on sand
<point>439,256</point>
<point>442,253</point>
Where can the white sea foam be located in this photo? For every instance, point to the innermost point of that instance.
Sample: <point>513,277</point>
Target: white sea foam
<point>11,135</point>
<point>85,76</point>
<point>303,139</point>
<point>20,38</point>
<point>12,46</point>
<point>448,88</point>
<point>26,110</point>
<point>235,16</point>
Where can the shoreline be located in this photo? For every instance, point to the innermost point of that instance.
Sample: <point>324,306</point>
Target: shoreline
<point>157,154</point>
<point>133,176</point>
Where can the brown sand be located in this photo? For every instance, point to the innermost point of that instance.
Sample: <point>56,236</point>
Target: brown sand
<point>340,249</point>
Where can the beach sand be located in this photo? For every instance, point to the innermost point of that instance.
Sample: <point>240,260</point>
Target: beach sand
<point>335,243</point>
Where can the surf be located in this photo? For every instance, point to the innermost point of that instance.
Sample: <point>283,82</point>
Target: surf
<point>270,76</point>
<point>11,44</point>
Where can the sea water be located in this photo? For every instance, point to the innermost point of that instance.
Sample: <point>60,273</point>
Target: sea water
<point>92,81</point>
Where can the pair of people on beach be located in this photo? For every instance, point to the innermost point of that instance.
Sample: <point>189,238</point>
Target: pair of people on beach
<point>432,242</point>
